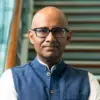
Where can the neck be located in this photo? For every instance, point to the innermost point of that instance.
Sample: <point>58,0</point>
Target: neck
<point>49,62</point>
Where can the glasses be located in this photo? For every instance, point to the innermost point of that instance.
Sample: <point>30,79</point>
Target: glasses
<point>43,32</point>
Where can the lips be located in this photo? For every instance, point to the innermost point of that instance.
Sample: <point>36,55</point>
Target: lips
<point>51,46</point>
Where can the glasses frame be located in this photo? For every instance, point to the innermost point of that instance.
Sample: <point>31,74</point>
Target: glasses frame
<point>35,30</point>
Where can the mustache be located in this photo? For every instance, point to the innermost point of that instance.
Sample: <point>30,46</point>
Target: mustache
<point>52,44</point>
<point>49,44</point>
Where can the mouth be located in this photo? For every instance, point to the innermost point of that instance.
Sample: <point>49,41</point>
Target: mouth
<point>51,48</point>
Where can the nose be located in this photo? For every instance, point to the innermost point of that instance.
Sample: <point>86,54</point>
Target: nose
<point>50,38</point>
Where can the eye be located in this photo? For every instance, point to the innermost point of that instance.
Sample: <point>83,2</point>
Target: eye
<point>42,30</point>
<point>58,30</point>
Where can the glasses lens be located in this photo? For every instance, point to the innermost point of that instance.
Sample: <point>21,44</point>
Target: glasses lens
<point>59,32</point>
<point>42,32</point>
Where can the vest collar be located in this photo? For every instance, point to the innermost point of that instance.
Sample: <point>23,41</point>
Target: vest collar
<point>56,69</point>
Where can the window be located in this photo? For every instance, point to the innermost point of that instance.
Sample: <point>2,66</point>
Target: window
<point>6,14</point>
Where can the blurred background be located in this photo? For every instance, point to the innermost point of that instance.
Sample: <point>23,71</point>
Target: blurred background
<point>83,51</point>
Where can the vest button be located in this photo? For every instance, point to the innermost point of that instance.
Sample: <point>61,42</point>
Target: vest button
<point>52,91</point>
<point>48,73</point>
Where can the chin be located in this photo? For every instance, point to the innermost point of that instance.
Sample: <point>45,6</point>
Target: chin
<point>51,56</point>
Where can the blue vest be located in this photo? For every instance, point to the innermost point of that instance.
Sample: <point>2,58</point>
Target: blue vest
<point>33,82</point>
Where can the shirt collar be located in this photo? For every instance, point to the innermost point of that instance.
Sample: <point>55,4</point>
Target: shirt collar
<point>52,68</point>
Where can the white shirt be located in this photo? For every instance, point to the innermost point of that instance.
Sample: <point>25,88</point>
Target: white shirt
<point>8,92</point>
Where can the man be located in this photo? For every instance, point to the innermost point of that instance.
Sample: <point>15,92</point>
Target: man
<point>48,77</point>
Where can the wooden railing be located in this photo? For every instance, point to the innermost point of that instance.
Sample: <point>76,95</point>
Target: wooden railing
<point>12,45</point>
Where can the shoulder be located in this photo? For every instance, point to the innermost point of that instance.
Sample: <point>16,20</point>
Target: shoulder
<point>6,75</point>
<point>7,89</point>
<point>6,79</point>
<point>76,71</point>
<point>93,81</point>
<point>92,78</point>
<point>21,69</point>
<point>77,75</point>
<point>94,88</point>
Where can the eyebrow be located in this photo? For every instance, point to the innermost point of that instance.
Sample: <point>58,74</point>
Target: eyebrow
<point>43,27</point>
<point>51,28</point>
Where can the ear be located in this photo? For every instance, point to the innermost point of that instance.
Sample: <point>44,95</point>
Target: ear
<point>31,36</point>
<point>69,35</point>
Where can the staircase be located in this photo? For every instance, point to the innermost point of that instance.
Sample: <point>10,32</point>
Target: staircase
<point>84,20</point>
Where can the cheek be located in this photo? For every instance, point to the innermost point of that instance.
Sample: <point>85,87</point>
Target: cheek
<point>63,43</point>
<point>37,46</point>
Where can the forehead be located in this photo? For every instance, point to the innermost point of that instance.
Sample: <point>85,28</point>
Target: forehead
<point>49,20</point>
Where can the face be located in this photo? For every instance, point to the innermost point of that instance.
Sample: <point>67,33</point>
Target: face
<point>50,47</point>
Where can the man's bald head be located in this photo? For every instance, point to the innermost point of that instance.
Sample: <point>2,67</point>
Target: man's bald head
<point>49,34</point>
<point>49,13</point>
